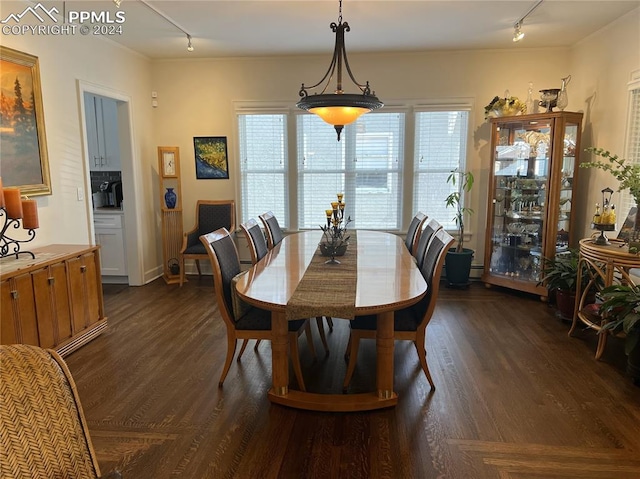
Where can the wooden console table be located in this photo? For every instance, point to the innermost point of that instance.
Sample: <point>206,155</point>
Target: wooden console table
<point>606,264</point>
<point>53,301</point>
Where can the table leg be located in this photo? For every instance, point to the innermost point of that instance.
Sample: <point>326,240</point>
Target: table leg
<point>384,356</point>
<point>279,353</point>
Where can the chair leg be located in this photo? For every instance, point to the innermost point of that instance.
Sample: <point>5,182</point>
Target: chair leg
<point>198,267</point>
<point>294,353</point>
<point>330,323</point>
<point>323,338</point>
<point>255,348</point>
<point>181,270</point>
<point>354,343</point>
<point>231,350</point>
<point>422,356</point>
<point>242,348</point>
<point>307,331</point>
<point>346,351</point>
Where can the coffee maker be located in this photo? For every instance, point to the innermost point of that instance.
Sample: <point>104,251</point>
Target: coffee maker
<point>110,195</point>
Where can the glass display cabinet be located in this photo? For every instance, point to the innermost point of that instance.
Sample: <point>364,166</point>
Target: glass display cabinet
<point>532,179</point>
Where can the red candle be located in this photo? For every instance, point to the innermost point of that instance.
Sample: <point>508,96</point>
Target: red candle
<point>1,194</point>
<point>30,218</point>
<point>13,203</point>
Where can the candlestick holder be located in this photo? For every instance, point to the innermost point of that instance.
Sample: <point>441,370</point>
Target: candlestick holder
<point>10,246</point>
<point>334,238</point>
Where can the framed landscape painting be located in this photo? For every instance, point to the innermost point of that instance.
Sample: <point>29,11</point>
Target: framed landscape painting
<point>212,162</point>
<point>22,135</point>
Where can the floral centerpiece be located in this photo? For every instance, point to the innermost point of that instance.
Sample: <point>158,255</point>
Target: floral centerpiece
<point>507,106</point>
<point>334,234</point>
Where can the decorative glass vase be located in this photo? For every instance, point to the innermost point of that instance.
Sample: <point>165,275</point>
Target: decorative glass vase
<point>563,98</point>
<point>170,198</point>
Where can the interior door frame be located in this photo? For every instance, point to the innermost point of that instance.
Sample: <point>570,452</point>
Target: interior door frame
<point>131,175</point>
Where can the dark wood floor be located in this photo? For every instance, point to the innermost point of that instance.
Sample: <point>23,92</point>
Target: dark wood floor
<point>516,398</point>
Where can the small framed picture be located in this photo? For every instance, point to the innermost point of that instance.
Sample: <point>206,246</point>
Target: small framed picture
<point>212,162</point>
<point>169,164</point>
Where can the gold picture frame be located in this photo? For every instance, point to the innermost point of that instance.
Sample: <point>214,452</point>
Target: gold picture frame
<point>23,142</point>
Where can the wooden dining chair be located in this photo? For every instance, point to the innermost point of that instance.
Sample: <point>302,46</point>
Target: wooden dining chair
<point>432,225</point>
<point>272,228</point>
<point>44,430</point>
<point>274,236</point>
<point>408,323</point>
<point>413,233</point>
<point>244,321</point>
<point>210,215</point>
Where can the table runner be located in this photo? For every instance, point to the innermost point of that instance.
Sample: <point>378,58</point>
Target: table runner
<point>327,289</point>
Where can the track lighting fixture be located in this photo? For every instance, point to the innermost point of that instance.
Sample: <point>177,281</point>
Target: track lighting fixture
<point>117,2</point>
<point>168,19</point>
<point>189,46</point>
<point>338,108</point>
<point>518,34</point>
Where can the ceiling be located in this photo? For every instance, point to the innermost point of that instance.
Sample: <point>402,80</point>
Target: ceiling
<point>263,27</point>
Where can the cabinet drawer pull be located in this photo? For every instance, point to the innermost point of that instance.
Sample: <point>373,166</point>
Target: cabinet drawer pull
<point>14,294</point>
<point>83,268</point>
<point>51,280</point>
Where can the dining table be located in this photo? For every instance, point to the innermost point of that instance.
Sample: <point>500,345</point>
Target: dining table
<point>377,275</point>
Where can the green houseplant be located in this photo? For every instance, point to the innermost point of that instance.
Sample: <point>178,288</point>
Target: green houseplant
<point>458,260</point>
<point>620,309</point>
<point>560,276</point>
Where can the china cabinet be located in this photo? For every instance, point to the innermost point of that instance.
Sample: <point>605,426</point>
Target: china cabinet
<point>532,180</point>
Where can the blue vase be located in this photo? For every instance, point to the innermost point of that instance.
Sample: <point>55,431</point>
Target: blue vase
<point>170,198</point>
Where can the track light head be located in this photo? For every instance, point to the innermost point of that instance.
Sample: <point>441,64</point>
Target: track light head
<point>518,34</point>
<point>189,45</point>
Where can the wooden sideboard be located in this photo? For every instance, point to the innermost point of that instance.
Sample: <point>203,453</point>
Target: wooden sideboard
<point>53,301</point>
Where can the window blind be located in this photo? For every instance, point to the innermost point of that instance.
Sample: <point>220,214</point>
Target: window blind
<point>440,147</point>
<point>632,149</point>
<point>263,166</point>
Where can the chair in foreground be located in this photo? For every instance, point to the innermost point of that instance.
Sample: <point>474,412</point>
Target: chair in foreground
<point>210,216</point>
<point>413,233</point>
<point>428,231</point>
<point>44,431</point>
<point>242,320</point>
<point>408,323</point>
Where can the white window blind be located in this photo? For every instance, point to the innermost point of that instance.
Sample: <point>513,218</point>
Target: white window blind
<point>366,165</point>
<point>633,147</point>
<point>440,147</point>
<point>263,166</point>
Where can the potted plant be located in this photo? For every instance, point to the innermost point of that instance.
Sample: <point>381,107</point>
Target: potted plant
<point>458,260</point>
<point>560,276</point>
<point>620,309</point>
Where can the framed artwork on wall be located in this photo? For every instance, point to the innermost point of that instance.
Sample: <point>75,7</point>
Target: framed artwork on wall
<point>212,162</point>
<point>23,142</point>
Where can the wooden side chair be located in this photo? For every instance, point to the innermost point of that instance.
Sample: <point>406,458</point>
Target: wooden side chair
<point>244,321</point>
<point>210,216</point>
<point>413,233</point>
<point>408,323</point>
<point>430,228</point>
<point>272,228</point>
<point>44,430</point>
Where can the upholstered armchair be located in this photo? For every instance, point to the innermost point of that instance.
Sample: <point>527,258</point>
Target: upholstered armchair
<point>211,215</point>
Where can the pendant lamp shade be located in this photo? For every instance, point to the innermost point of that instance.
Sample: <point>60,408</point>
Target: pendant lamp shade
<point>338,108</point>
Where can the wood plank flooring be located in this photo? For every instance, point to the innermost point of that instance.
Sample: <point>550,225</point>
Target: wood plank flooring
<point>516,398</point>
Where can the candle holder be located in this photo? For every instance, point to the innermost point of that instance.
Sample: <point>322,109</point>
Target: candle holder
<point>10,246</point>
<point>334,238</point>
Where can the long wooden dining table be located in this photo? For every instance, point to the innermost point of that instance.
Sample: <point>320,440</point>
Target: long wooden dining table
<point>293,278</point>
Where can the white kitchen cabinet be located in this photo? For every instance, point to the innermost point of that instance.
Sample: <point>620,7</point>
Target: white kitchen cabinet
<point>101,115</point>
<point>110,236</point>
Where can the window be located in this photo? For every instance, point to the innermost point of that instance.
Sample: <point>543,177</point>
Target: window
<point>440,146</point>
<point>263,166</point>
<point>366,165</point>
<point>633,138</point>
<point>369,165</point>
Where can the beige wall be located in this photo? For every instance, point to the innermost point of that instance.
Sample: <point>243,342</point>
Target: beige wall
<point>601,67</point>
<point>196,98</point>
<point>64,61</point>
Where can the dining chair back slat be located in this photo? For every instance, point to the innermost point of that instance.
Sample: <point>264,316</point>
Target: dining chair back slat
<point>272,227</point>
<point>432,225</point>
<point>255,240</point>
<point>413,233</point>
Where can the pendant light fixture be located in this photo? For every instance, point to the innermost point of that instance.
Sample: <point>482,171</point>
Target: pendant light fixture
<point>338,108</point>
